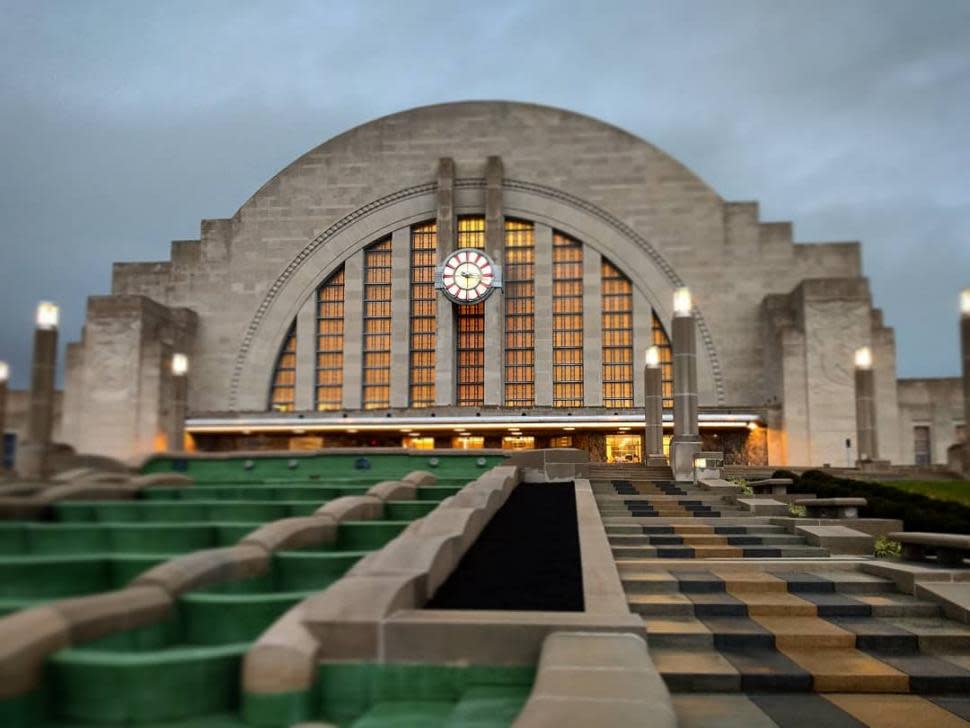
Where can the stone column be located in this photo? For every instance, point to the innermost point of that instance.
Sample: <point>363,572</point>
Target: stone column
<point>4,375</point>
<point>180,389</point>
<point>686,440</point>
<point>353,330</point>
<point>494,305</point>
<point>592,328</point>
<point>305,392</point>
<point>444,389</point>
<point>965,348</point>
<point>865,407</point>
<point>400,317</point>
<point>40,414</point>
<point>653,407</point>
<point>543,315</point>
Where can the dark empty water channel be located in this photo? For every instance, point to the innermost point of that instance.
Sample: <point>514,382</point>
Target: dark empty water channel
<point>527,558</point>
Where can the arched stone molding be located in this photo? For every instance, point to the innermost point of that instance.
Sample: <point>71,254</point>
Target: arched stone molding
<point>651,275</point>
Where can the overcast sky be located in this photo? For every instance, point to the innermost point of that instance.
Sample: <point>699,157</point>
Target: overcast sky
<point>123,124</point>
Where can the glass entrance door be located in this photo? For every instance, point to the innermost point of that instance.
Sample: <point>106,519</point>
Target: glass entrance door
<point>624,449</point>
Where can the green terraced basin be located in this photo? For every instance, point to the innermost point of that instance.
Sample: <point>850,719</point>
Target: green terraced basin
<point>359,468</point>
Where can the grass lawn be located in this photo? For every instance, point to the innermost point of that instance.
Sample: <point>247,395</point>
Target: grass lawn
<point>949,490</point>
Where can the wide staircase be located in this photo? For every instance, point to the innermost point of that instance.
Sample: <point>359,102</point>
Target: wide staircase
<point>751,626</point>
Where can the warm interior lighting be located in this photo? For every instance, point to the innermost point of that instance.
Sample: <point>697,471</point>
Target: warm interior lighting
<point>180,365</point>
<point>863,358</point>
<point>351,431</point>
<point>653,357</point>
<point>965,302</point>
<point>568,429</point>
<point>752,426</point>
<point>48,315</point>
<point>4,372</point>
<point>700,463</point>
<point>682,302</point>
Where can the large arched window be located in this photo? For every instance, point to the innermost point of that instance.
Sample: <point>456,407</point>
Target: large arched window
<point>424,307</point>
<point>567,322</point>
<point>282,395</point>
<point>376,376</point>
<point>520,319</point>
<point>330,343</point>
<point>617,330</point>
<point>517,329</point>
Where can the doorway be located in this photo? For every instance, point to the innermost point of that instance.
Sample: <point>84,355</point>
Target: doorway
<point>624,449</point>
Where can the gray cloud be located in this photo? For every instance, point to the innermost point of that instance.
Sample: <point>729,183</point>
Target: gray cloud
<point>123,124</point>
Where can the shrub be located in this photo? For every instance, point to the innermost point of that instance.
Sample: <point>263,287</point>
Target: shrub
<point>887,548</point>
<point>746,489</point>
<point>796,511</point>
<point>918,512</point>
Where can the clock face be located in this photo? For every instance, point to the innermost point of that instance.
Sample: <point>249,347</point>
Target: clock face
<point>467,276</point>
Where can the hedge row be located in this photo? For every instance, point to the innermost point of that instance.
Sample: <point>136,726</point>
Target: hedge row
<point>918,512</point>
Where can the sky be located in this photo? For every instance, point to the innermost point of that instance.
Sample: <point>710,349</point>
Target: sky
<point>123,124</point>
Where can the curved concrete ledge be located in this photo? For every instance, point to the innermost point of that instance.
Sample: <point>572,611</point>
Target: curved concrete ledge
<point>205,568</point>
<point>293,533</point>
<point>152,479</point>
<point>430,558</point>
<point>26,639</point>
<point>394,490</point>
<point>101,476</point>
<point>283,659</point>
<point>353,508</point>
<point>346,618</point>
<point>420,477</point>
<point>69,476</point>
<point>88,490</point>
<point>603,680</point>
<point>450,519</point>
<point>486,499</point>
<point>92,617</point>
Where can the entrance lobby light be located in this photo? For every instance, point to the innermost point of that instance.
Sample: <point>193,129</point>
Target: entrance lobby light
<point>48,315</point>
<point>682,302</point>
<point>965,302</point>
<point>180,365</point>
<point>653,357</point>
<point>4,372</point>
<point>863,358</point>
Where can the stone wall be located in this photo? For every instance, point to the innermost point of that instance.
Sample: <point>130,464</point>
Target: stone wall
<point>937,403</point>
<point>18,401</point>
<point>248,277</point>
<point>121,389</point>
<point>810,337</point>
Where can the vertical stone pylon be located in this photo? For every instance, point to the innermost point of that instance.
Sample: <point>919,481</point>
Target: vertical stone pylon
<point>865,406</point>
<point>653,406</point>
<point>33,461</point>
<point>686,441</point>
<point>965,350</point>
<point>180,392</point>
<point>4,375</point>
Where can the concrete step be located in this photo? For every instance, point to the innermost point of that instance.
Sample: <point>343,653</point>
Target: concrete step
<point>696,528</point>
<point>774,709</point>
<point>836,670</point>
<point>701,539</point>
<point>886,614</point>
<point>621,553</point>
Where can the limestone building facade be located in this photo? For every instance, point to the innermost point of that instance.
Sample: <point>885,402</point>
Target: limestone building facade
<point>312,316</point>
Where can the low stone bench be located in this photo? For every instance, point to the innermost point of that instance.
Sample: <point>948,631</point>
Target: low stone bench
<point>832,507</point>
<point>770,486</point>
<point>950,548</point>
